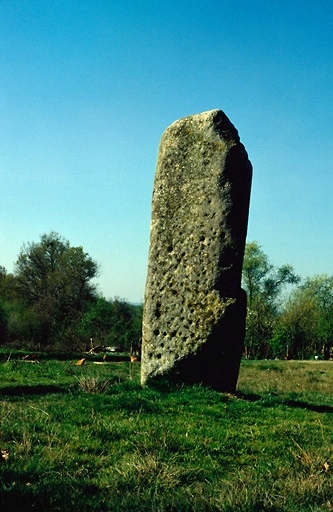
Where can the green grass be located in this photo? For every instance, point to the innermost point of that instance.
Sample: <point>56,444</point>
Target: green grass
<point>91,439</point>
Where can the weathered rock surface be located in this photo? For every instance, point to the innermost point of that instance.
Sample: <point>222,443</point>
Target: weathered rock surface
<point>195,309</point>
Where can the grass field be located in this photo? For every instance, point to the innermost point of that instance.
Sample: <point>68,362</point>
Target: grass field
<point>91,439</point>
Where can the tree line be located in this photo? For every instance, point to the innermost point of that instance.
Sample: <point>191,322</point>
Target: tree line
<point>296,325</point>
<point>50,302</point>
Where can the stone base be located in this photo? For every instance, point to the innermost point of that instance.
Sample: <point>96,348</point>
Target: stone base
<point>216,363</point>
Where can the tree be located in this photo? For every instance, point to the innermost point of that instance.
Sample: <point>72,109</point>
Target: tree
<point>3,324</point>
<point>112,323</point>
<point>263,284</point>
<point>7,285</point>
<point>3,316</point>
<point>7,304</point>
<point>54,280</point>
<point>306,324</point>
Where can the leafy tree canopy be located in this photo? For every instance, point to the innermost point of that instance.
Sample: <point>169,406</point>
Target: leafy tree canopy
<point>263,284</point>
<point>307,320</point>
<point>260,279</point>
<point>55,280</point>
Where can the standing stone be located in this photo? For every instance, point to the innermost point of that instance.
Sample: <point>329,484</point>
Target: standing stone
<point>195,309</point>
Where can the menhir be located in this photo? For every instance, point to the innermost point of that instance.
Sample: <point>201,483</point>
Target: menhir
<point>195,309</point>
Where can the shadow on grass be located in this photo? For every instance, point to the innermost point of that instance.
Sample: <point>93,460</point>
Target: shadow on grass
<point>49,498</point>
<point>272,400</point>
<point>310,407</point>
<point>31,390</point>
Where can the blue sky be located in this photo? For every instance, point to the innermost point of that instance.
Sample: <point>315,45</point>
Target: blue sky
<point>87,88</point>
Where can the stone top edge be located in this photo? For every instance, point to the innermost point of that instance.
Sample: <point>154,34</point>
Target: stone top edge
<point>209,122</point>
<point>204,115</point>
